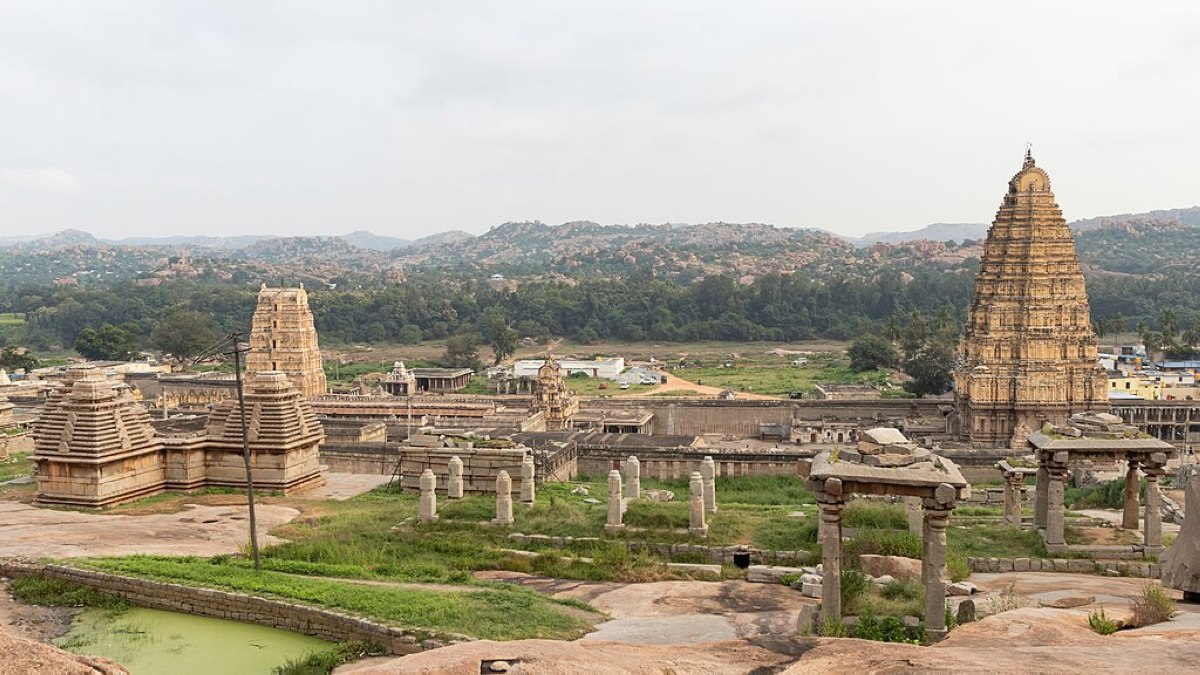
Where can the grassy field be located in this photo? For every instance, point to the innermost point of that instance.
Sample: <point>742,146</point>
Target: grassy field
<point>15,465</point>
<point>778,379</point>
<point>367,555</point>
<point>12,319</point>
<point>494,612</point>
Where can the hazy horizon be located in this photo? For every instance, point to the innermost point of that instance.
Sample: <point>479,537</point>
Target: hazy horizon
<point>135,118</point>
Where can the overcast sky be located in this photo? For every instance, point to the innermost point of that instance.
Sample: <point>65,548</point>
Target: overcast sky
<point>159,117</point>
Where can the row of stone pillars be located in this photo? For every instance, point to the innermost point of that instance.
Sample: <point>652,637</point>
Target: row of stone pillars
<point>702,498</point>
<point>1050,491</point>
<point>935,518</point>
<point>454,490</point>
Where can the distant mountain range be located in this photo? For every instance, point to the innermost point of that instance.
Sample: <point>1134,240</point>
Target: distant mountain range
<point>958,232</point>
<point>1143,243</point>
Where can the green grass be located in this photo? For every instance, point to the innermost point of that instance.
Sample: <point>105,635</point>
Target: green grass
<point>12,319</point>
<point>778,380</point>
<point>15,465</point>
<point>323,662</point>
<point>39,590</point>
<point>495,612</point>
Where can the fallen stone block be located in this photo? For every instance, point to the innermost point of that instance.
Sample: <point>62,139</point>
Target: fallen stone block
<point>770,574</point>
<point>696,568</point>
<point>961,588</point>
<point>891,565</point>
<point>811,590</point>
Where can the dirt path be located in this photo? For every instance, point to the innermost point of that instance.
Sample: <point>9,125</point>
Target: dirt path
<point>678,384</point>
<point>28,531</point>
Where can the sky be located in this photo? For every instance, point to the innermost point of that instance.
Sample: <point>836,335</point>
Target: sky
<point>162,117</point>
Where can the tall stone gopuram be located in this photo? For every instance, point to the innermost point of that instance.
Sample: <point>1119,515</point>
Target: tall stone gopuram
<point>283,339</point>
<point>1028,353</point>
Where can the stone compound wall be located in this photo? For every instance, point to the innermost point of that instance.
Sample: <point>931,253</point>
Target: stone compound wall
<point>1073,566</point>
<point>282,614</point>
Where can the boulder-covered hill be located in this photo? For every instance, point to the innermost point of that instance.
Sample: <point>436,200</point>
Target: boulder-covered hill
<point>589,245</point>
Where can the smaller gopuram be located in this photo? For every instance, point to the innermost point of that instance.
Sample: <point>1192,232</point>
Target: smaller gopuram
<point>552,398</point>
<point>283,338</point>
<point>284,439</point>
<point>400,381</point>
<point>94,444</point>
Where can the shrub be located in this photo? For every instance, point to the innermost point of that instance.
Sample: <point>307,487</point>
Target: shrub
<point>957,566</point>
<point>1154,606</point>
<point>884,542</point>
<point>890,629</point>
<point>903,589</point>
<point>1101,623</point>
<point>854,584</point>
<point>1008,599</point>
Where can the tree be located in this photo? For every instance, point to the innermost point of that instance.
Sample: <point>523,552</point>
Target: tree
<point>871,352</point>
<point>183,335</point>
<point>503,341</point>
<point>930,369</point>
<point>410,334</point>
<point>110,343</point>
<point>461,352</point>
<point>15,358</point>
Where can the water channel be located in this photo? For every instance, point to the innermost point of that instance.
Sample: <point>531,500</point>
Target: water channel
<point>151,641</point>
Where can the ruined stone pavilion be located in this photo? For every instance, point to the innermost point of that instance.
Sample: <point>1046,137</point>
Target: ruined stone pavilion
<point>283,338</point>
<point>1028,352</point>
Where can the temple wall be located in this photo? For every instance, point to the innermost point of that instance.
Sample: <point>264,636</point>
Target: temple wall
<point>480,466</point>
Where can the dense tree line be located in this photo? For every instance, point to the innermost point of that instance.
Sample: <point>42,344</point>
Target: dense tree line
<point>643,307</point>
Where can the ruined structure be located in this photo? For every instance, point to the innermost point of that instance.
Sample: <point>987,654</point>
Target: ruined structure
<point>900,469</point>
<point>1097,437</point>
<point>552,398</point>
<point>95,446</point>
<point>1028,353</point>
<point>283,338</point>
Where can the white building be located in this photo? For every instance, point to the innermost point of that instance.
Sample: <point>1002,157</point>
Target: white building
<point>607,368</point>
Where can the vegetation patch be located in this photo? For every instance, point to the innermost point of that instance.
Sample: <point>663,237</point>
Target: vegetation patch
<point>323,662</point>
<point>38,590</point>
<point>496,612</point>
<point>1152,606</point>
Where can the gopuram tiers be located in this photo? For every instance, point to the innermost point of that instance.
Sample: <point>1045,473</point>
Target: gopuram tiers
<point>284,438</point>
<point>552,398</point>
<point>1028,353</point>
<point>283,338</point>
<point>94,444</point>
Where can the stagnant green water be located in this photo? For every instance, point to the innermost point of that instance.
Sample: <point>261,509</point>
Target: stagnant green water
<point>150,642</point>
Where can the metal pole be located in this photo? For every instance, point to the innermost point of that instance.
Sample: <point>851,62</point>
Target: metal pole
<point>237,369</point>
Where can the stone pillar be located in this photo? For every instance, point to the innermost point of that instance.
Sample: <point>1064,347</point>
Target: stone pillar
<point>615,509</point>
<point>708,473</point>
<point>1129,519</point>
<point>1013,483</point>
<point>1055,493</point>
<point>912,511</point>
<point>428,512</point>
<point>504,510</point>
<point>454,487</point>
<point>1153,532</point>
<point>696,524</point>
<point>937,516</point>
<point>1041,485</point>
<point>527,480</point>
<point>831,558</point>
<point>633,478</point>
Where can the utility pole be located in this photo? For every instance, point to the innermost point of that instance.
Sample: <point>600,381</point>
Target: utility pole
<point>241,394</point>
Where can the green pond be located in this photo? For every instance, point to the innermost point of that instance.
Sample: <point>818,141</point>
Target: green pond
<point>151,641</point>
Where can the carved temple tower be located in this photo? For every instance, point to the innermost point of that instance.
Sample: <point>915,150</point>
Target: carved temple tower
<point>1028,353</point>
<point>283,338</point>
<point>556,403</point>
